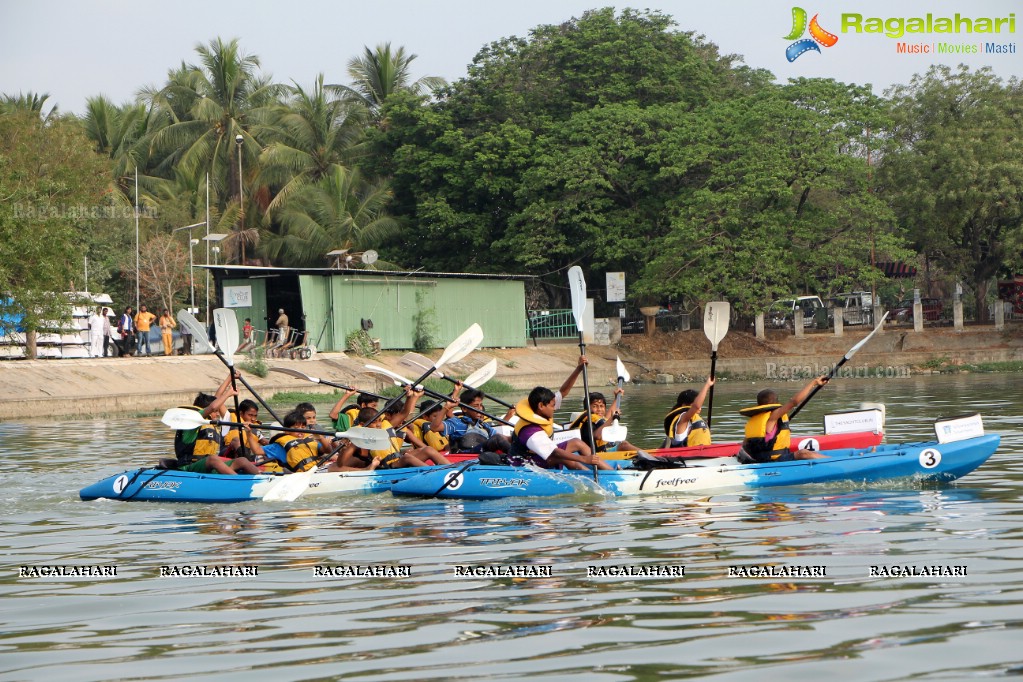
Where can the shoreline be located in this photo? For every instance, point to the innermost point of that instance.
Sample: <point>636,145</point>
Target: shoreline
<point>148,385</point>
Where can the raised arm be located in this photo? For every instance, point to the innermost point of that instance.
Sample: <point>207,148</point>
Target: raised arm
<point>570,381</point>
<point>697,405</point>
<point>795,400</point>
<point>336,410</point>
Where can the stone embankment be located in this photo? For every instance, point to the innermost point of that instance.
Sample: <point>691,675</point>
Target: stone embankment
<point>93,387</point>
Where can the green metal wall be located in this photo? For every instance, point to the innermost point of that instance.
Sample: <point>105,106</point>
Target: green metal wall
<point>497,305</point>
<point>257,311</point>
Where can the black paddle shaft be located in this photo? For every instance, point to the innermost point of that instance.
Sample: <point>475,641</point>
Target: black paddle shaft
<point>710,394</point>
<point>586,403</point>
<point>831,375</point>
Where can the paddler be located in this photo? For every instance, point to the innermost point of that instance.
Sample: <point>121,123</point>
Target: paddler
<point>532,441</point>
<point>684,425</point>
<point>294,450</point>
<point>209,441</point>
<point>600,418</point>
<point>767,429</point>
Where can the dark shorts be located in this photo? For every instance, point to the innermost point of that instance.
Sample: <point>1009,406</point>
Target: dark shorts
<point>766,457</point>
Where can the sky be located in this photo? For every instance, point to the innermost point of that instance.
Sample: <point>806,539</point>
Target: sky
<point>74,49</point>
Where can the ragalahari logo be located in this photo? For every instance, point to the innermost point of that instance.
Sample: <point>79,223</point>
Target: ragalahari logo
<point>818,36</point>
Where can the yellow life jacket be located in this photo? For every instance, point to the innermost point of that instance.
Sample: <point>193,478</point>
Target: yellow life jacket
<point>301,453</point>
<point>435,439</point>
<point>528,417</point>
<point>208,442</point>
<point>598,421</point>
<point>391,455</point>
<point>698,432</point>
<point>756,441</point>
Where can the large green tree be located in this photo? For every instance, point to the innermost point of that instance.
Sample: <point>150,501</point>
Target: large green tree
<point>55,191</point>
<point>381,72</point>
<point>953,172</point>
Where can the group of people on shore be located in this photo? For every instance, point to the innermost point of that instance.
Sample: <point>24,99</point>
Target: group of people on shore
<point>130,333</point>
<point>237,445</point>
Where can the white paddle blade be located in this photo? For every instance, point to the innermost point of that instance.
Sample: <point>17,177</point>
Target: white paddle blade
<point>398,379</point>
<point>577,285</point>
<point>482,375</point>
<point>716,316</point>
<point>861,344</point>
<point>226,324</point>
<point>367,438</point>
<point>615,433</point>
<point>182,418</point>
<point>289,487</point>
<point>418,362</point>
<point>623,373</point>
<point>295,373</point>
<point>200,340</point>
<point>469,341</point>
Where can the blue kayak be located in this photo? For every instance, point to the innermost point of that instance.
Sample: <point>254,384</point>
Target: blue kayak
<point>910,462</point>
<point>171,485</point>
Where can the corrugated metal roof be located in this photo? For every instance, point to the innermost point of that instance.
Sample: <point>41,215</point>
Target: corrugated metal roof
<point>257,270</point>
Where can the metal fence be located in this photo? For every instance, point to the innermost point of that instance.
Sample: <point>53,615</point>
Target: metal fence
<point>551,324</point>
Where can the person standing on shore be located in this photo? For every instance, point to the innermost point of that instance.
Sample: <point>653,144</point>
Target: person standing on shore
<point>143,320</point>
<point>126,330</point>
<point>96,333</point>
<point>282,326</point>
<point>167,325</point>
<point>108,334</point>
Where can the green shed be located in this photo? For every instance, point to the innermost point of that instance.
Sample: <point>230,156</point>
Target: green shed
<point>325,305</point>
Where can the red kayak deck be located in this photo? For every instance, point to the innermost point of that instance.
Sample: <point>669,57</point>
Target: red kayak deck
<point>862,439</point>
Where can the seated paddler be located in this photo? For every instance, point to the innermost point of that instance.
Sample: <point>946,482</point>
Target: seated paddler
<point>767,427</point>
<point>683,424</point>
<point>472,431</point>
<point>209,442</point>
<point>601,418</point>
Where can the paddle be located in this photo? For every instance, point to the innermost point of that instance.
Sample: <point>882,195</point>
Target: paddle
<point>577,285</point>
<point>302,375</point>
<point>715,325</point>
<point>834,370</point>
<point>182,418</point>
<point>226,324</point>
<point>399,380</point>
<point>456,350</point>
<point>615,432</point>
<point>417,361</point>
<point>195,328</point>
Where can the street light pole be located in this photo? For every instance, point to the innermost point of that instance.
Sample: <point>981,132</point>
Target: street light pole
<point>241,197</point>
<point>191,261</point>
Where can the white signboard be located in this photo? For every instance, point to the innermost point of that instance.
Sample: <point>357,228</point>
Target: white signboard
<point>615,287</point>
<point>958,428</point>
<point>854,422</point>
<point>238,297</point>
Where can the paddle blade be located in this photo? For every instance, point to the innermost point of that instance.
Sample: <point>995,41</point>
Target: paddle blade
<point>418,362</point>
<point>469,341</point>
<point>182,418</point>
<point>200,341</point>
<point>623,373</point>
<point>226,324</point>
<point>287,488</point>
<point>398,379</point>
<point>367,438</point>
<point>615,433</point>
<point>295,373</point>
<point>716,315</point>
<point>863,342</point>
<point>577,285</point>
<point>482,375</point>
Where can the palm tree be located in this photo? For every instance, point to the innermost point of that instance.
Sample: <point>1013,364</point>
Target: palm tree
<point>341,211</point>
<point>310,135</point>
<point>28,101</point>
<point>380,72</point>
<point>211,104</point>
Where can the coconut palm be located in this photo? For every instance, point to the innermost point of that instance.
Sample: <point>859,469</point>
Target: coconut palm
<point>341,211</point>
<point>310,134</point>
<point>28,101</point>
<point>378,73</point>
<point>211,104</point>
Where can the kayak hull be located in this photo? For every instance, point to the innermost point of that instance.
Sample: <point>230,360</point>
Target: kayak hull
<point>906,463</point>
<point>169,485</point>
<point>838,441</point>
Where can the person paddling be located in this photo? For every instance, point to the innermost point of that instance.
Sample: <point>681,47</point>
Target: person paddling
<point>209,442</point>
<point>684,425</point>
<point>767,429</point>
<point>532,441</point>
<point>600,417</point>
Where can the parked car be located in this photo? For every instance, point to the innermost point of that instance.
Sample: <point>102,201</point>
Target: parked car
<point>781,313</point>
<point>903,312</point>
<point>857,307</point>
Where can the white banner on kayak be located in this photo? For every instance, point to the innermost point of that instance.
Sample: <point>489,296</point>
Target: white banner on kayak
<point>958,428</point>
<point>856,421</point>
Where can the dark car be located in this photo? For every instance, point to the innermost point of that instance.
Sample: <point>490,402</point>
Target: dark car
<point>903,312</point>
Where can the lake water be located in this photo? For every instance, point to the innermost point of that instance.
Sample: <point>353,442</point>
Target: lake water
<point>286,623</point>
